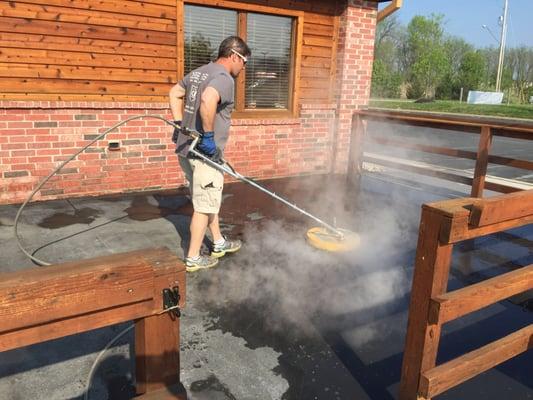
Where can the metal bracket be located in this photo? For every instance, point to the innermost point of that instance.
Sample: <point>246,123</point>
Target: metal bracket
<point>171,299</point>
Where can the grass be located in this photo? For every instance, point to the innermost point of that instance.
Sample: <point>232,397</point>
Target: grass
<point>501,110</point>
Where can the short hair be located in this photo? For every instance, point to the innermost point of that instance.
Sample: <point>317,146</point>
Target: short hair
<point>233,43</point>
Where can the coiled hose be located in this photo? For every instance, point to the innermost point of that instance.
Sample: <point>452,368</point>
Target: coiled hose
<point>57,169</point>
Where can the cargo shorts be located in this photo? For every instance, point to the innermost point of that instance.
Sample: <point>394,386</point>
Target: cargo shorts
<point>205,184</point>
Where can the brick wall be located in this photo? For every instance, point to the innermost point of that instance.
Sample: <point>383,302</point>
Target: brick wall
<point>35,137</point>
<point>355,56</point>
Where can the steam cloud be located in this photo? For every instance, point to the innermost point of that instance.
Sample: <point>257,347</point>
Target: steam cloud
<point>276,268</point>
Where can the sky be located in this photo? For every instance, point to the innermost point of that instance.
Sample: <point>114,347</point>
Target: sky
<point>464,18</point>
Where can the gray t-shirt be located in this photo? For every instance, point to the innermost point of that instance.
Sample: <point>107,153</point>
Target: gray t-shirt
<point>194,83</point>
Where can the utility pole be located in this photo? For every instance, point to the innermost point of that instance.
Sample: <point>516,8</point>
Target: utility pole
<point>502,46</point>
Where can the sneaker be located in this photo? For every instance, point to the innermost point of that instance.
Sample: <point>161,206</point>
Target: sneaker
<point>201,262</point>
<point>229,246</point>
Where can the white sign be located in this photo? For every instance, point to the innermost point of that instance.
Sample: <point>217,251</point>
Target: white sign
<point>476,97</point>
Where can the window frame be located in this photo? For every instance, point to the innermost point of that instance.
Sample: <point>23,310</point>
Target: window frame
<point>242,10</point>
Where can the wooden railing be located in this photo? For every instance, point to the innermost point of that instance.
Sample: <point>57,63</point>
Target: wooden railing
<point>40,304</point>
<point>486,128</point>
<point>442,225</point>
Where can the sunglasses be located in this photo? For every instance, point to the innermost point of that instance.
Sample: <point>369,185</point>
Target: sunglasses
<point>244,59</point>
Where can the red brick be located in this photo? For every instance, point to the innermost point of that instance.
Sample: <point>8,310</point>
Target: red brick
<point>44,145</point>
<point>13,146</point>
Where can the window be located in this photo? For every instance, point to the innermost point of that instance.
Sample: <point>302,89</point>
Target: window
<point>267,73</point>
<point>266,86</point>
<point>205,28</point>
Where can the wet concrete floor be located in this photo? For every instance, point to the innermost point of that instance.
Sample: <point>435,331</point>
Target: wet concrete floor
<point>279,319</point>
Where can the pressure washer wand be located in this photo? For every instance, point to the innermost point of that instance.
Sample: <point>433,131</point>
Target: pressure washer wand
<point>224,168</point>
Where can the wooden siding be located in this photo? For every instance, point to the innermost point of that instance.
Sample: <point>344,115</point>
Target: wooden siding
<point>87,50</point>
<point>130,50</point>
<point>319,53</point>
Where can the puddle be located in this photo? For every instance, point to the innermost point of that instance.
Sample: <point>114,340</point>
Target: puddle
<point>84,215</point>
<point>212,384</point>
<point>141,209</point>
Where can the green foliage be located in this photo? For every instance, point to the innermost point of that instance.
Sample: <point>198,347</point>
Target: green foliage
<point>455,49</point>
<point>466,64</point>
<point>427,54</point>
<point>385,83</point>
<point>521,63</point>
<point>529,93</point>
<point>469,77</point>
<point>448,89</point>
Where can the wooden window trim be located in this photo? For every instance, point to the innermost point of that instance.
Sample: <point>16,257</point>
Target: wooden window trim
<point>297,41</point>
<point>180,39</point>
<point>233,5</point>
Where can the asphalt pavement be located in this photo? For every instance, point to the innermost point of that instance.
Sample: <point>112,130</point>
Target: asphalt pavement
<point>279,319</point>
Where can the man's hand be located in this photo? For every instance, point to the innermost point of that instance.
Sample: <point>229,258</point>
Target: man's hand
<point>208,147</point>
<point>207,144</point>
<point>177,131</point>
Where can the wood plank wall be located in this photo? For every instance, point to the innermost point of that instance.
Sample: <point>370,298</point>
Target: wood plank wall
<point>87,49</point>
<point>126,50</point>
<point>319,54</point>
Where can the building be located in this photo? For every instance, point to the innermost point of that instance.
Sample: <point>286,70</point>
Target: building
<point>70,70</point>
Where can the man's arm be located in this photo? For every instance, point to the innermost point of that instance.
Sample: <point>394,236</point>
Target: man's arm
<point>208,108</point>
<point>176,101</point>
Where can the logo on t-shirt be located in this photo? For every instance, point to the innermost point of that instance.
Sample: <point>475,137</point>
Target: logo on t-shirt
<point>196,80</point>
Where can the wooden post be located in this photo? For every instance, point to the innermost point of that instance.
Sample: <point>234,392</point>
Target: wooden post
<point>156,353</point>
<point>157,338</point>
<point>430,279</point>
<point>485,142</point>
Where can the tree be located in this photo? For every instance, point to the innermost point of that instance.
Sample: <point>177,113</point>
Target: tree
<point>469,76</point>
<point>490,54</point>
<point>386,79</point>
<point>386,30</point>
<point>428,62</point>
<point>385,83</point>
<point>521,67</point>
<point>455,49</point>
<point>388,38</point>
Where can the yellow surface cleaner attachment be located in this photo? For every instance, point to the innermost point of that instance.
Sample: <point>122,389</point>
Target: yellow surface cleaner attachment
<point>323,239</point>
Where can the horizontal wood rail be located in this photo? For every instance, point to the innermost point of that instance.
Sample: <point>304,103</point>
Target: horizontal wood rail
<point>453,305</point>
<point>485,127</point>
<point>495,210</point>
<point>40,304</point>
<point>446,151</point>
<point>450,374</point>
<point>442,225</point>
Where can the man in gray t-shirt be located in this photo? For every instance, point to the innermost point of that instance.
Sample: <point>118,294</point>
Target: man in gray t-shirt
<point>212,75</point>
<point>203,101</point>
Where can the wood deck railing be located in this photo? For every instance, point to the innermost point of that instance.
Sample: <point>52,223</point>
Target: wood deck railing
<point>442,225</point>
<point>40,304</point>
<point>486,128</point>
